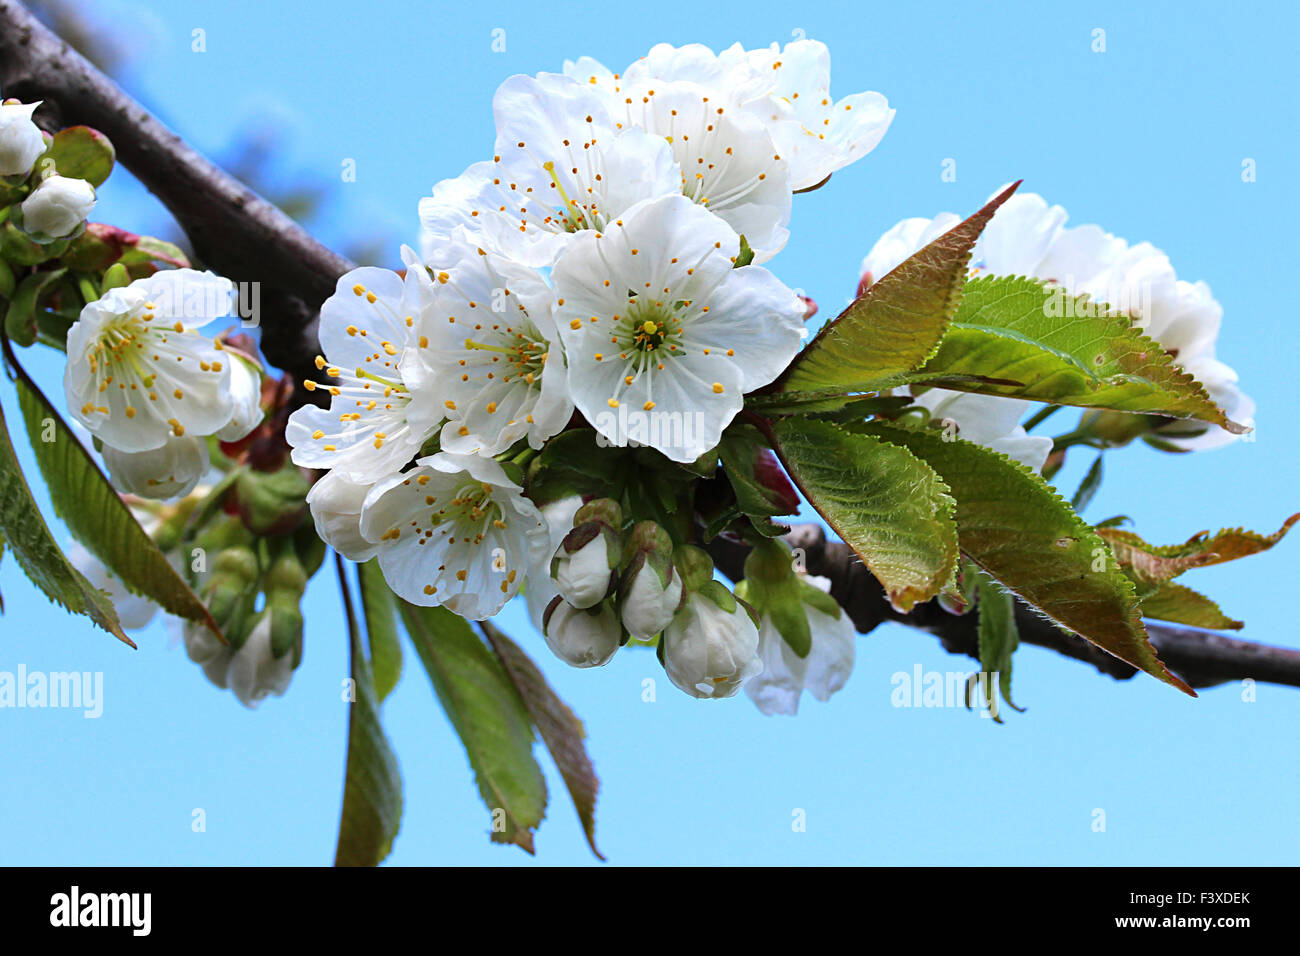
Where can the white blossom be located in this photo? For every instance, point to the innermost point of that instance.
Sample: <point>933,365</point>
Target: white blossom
<point>21,142</point>
<point>133,610</point>
<point>171,470</point>
<point>663,336</point>
<point>560,169</point>
<point>822,672</point>
<point>455,531</point>
<point>786,89</point>
<point>726,156</point>
<point>989,420</point>
<point>490,355</point>
<point>377,420</point>
<point>139,372</point>
<point>57,207</point>
<point>335,504</point>
<point>245,400</point>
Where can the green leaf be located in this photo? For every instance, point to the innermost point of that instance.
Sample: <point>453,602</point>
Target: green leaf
<point>1008,328</point>
<point>1181,605</point>
<point>890,329</point>
<point>489,716</point>
<point>1088,487</point>
<point>96,515</point>
<point>148,249</point>
<point>20,317</point>
<point>1017,528</point>
<point>573,463</point>
<point>998,636</point>
<point>372,789</point>
<point>884,502</point>
<point>380,608</point>
<point>29,538</point>
<point>80,152</point>
<point>560,729</point>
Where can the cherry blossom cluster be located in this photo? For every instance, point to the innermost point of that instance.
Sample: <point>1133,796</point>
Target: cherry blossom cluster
<point>604,268</point>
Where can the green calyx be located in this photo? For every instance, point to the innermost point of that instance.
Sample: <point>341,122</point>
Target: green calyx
<point>719,594</point>
<point>648,543</point>
<point>696,568</point>
<point>774,588</point>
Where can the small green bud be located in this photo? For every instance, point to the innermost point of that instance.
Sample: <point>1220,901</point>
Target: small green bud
<point>238,564</point>
<point>286,625</point>
<point>115,277</point>
<point>272,503</point>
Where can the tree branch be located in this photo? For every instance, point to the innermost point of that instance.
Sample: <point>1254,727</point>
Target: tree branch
<point>246,238</point>
<point>233,230</point>
<point>1202,658</point>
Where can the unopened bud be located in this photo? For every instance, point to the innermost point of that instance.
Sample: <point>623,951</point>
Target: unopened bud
<point>583,565</point>
<point>582,637</point>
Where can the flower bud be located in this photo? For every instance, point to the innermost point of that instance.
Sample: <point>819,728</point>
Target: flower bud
<point>169,471</point>
<point>272,503</point>
<point>231,589</point>
<point>57,208</point>
<point>651,590</point>
<point>286,575</point>
<point>21,142</point>
<point>711,646</point>
<point>251,670</point>
<point>1117,429</point>
<point>582,637</point>
<point>286,624</point>
<point>584,563</point>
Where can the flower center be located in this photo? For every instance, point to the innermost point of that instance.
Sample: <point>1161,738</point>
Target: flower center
<point>649,327</point>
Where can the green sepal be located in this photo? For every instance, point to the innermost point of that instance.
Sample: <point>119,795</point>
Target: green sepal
<point>80,152</point>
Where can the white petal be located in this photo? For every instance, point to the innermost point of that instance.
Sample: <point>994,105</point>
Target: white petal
<point>170,471</point>
<point>335,504</point>
<point>432,552</point>
<point>246,401</point>
<point>1018,236</point>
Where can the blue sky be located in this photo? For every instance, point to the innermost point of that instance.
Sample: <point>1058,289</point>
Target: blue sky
<point>1147,139</point>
